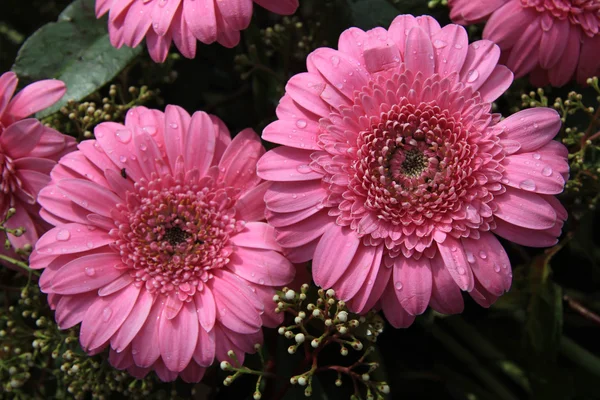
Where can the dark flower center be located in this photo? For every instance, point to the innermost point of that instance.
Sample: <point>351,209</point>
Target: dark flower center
<point>175,236</point>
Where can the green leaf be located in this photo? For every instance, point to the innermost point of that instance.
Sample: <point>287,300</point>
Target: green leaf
<point>75,49</point>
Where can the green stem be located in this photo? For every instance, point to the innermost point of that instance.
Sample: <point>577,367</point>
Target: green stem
<point>20,264</point>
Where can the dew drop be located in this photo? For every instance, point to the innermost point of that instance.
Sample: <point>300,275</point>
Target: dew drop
<point>261,281</point>
<point>63,235</point>
<point>174,125</point>
<point>398,285</point>
<point>106,313</point>
<point>439,44</point>
<point>149,129</point>
<point>547,171</point>
<point>304,169</point>
<point>461,270</point>
<point>483,254</point>
<point>335,61</point>
<point>143,147</point>
<point>90,271</point>
<point>90,245</point>
<point>528,185</point>
<point>294,196</point>
<point>458,46</point>
<point>470,257</point>
<point>496,268</point>
<point>472,76</point>
<point>123,135</point>
<point>301,123</point>
<point>123,159</point>
<point>537,156</point>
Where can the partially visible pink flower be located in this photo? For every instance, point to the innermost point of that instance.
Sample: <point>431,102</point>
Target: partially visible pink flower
<point>182,21</point>
<point>28,151</point>
<point>554,40</point>
<point>394,175</point>
<point>158,249</point>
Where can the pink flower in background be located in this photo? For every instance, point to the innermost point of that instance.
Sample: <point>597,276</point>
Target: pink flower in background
<point>182,21</point>
<point>28,151</point>
<point>158,248</point>
<point>394,175</point>
<point>554,40</point>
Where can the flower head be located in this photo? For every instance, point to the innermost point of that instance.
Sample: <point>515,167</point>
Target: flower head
<point>28,151</point>
<point>158,248</point>
<point>554,40</point>
<point>394,174</point>
<point>182,21</point>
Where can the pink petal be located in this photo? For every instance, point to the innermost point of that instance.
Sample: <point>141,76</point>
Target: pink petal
<point>265,267</point>
<point>8,84</point>
<point>446,297</point>
<point>482,59</point>
<point>496,84</point>
<point>526,172</point>
<point>394,313</point>
<point>177,338</point>
<point>399,30</point>
<point>588,64</point>
<point>105,316</point>
<point>89,195</point>
<point>341,71</point>
<point>305,231</point>
<point>204,354</point>
<point>283,7</point>
<point>303,133</point>
<point>251,206</point>
<point>489,263</point>
<point>158,46</point>
<point>553,43</point>
<point>450,49</point>
<point>200,143</point>
<point>144,347</point>
<point>233,309</point>
<point>532,128</point>
<point>295,196</point>
<point>71,310</point>
<point>528,237</point>
<point>193,373</point>
<point>372,289</point>
<point>285,164</point>
<point>201,19</point>
<point>563,71</point>
<point>428,24</point>
<point>164,373</point>
<point>351,43</point>
<point>35,97</point>
<point>419,53</point>
<point>455,260</point>
<point>468,12</point>
<point>121,360</point>
<point>412,283</point>
<point>224,345</point>
<point>237,13</point>
<point>482,296</point>
<point>87,273</point>
<point>305,89</point>
<point>163,15</point>
<point>355,275</point>
<point>182,36</point>
<point>20,138</point>
<point>134,322</point>
<point>525,209</point>
<point>505,26</point>
<point>205,308</point>
<point>177,121</point>
<point>136,23</point>
<point>335,251</point>
<point>256,235</point>
<point>223,138</point>
<point>239,161</point>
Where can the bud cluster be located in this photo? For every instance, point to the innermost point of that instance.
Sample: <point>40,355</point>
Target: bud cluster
<point>327,321</point>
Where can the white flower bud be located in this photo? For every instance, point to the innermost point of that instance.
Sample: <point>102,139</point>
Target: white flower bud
<point>225,365</point>
<point>330,293</point>
<point>343,316</point>
<point>300,338</point>
<point>302,381</point>
<point>365,377</point>
<point>290,295</point>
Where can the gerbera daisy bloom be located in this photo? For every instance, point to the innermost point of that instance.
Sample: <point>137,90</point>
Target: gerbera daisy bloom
<point>394,175</point>
<point>182,21</point>
<point>158,249</point>
<point>554,40</point>
<point>28,151</point>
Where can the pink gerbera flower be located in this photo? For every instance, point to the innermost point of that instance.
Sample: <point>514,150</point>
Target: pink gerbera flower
<point>28,151</point>
<point>158,250</point>
<point>394,175</point>
<point>555,40</point>
<point>182,21</point>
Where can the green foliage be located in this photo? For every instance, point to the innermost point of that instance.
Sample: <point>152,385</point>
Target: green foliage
<point>76,50</point>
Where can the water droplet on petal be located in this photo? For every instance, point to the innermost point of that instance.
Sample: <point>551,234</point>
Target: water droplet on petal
<point>461,270</point>
<point>547,171</point>
<point>301,123</point>
<point>123,135</point>
<point>123,159</point>
<point>151,130</point>
<point>398,285</point>
<point>472,76</point>
<point>496,268</point>
<point>335,61</point>
<point>143,147</point>
<point>90,271</point>
<point>483,254</point>
<point>439,44</point>
<point>537,156</point>
<point>458,46</point>
<point>528,185</point>
<point>304,169</point>
<point>106,313</point>
<point>174,125</point>
<point>470,257</point>
<point>63,235</point>
<point>90,245</point>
